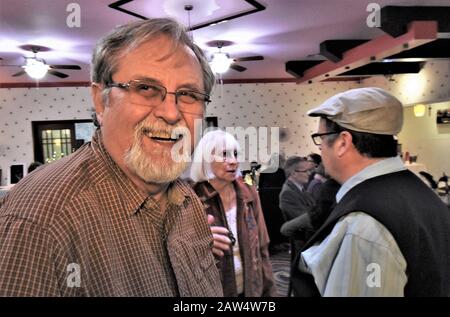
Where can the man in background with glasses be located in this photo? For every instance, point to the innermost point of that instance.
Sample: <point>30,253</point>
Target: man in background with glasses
<point>112,219</point>
<point>294,200</point>
<point>389,233</point>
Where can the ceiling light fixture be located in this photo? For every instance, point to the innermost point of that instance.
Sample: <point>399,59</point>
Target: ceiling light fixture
<point>188,8</point>
<point>35,68</point>
<point>419,110</point>
<point>220,62</point>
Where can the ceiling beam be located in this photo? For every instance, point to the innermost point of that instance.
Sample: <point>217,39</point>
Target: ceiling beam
<point>419,33</point>
<point>439,49</point>
<point>384,68</point>
<point>298,68</point>
<point>394,20</point>
<point>334,49</point>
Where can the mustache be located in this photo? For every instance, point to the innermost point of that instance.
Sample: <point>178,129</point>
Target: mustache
<point>162,130</point>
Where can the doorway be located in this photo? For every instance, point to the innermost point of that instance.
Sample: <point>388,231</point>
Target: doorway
<point>56,139</point>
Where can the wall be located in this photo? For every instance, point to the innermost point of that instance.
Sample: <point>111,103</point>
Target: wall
<point>237,105</point>
<point>431,85</point>
<point>422,136</point>
<point>430,141</point>
<point>282,105</point>
<point>20,106</point>
<point>257,105</point>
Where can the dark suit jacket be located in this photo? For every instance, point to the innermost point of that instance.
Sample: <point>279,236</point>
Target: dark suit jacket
<point>294,202</point>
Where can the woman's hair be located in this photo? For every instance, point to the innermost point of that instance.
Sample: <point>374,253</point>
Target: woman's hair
<point>212,143</point>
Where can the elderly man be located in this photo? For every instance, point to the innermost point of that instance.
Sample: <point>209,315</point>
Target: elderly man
<point>294,200</point>
<point>112,219</point>
<point>389,233</point>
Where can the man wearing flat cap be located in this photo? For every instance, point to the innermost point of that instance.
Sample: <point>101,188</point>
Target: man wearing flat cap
<point>389,233</point>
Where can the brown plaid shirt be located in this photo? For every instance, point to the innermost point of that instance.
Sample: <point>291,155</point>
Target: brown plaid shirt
<point>80,227</point>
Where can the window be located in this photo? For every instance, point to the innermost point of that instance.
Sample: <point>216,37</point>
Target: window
<point>56,139</point>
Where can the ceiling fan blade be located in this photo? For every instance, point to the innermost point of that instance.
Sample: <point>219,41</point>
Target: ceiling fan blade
<point>19,73</point>
<point>64,67</point>
<point>57,74</point>
<point>237,67</point>
<point>249,58</point>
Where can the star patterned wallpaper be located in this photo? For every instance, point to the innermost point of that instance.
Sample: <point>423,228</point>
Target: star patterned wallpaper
<point>282,105</point>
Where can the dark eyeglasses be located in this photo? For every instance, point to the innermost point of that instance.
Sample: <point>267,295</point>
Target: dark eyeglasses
<point>150,94</point>
<point>318,137</point>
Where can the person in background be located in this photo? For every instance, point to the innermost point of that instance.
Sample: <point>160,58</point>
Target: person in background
<point>112,219</point>
<point>273,176</point>
<point>388,234</point>
<point>318,179</point>
<point>294,200</point>
<point>305,225</point>
<point>314,158</point>
<point>245,267</point>
<point>33,166</point>
<point>271,180</point>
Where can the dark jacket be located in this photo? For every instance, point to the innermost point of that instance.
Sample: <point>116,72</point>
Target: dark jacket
<point>272,180</point>
<point>294,202</point>
<point>416,218</point>
<point>252,236</point>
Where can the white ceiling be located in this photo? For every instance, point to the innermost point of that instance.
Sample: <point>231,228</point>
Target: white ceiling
<point>285,30</point>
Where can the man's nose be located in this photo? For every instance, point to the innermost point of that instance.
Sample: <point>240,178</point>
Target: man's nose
<point>168,110</point>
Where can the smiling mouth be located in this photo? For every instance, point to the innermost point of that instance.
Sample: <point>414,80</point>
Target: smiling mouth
<point>157,138</point>
<point>162,136</point>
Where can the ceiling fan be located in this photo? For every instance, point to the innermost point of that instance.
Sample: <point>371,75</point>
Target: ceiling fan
<point>36,67</point>
<point>221,62</point>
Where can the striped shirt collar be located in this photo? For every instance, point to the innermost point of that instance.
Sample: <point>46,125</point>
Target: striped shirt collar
<point>386,166</point>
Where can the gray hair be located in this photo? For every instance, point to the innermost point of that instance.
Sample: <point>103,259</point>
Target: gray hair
<point>291,164</point>
<point>125,38</point>
<point>213,141</point>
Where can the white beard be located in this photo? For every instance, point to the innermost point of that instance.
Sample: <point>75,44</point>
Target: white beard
<point>158,166</point>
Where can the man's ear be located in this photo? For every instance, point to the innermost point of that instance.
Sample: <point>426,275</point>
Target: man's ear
<point>344,143</point>
<point>97,97</point>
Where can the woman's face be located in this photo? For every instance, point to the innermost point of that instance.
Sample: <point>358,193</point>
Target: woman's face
<point>225,165</point>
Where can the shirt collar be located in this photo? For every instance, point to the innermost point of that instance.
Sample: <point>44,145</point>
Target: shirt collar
<point>131,196</point>
<point>299,186</point>
<point>386,166</point>
<point>242,191</point>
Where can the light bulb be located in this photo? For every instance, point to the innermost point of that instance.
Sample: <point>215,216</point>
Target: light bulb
<point>220,63</point>
<point>419,110</point>
<point>35,68</point>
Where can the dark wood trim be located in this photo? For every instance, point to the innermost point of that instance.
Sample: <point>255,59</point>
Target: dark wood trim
<point>419,33</point>
<point>117,6</point>
<point>257,7</point>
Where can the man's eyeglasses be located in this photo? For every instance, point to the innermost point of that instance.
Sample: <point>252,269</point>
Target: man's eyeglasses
<point>149,94</point>
<point>318,137</point>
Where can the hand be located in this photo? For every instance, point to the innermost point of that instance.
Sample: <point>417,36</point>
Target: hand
<point>220,235</point>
